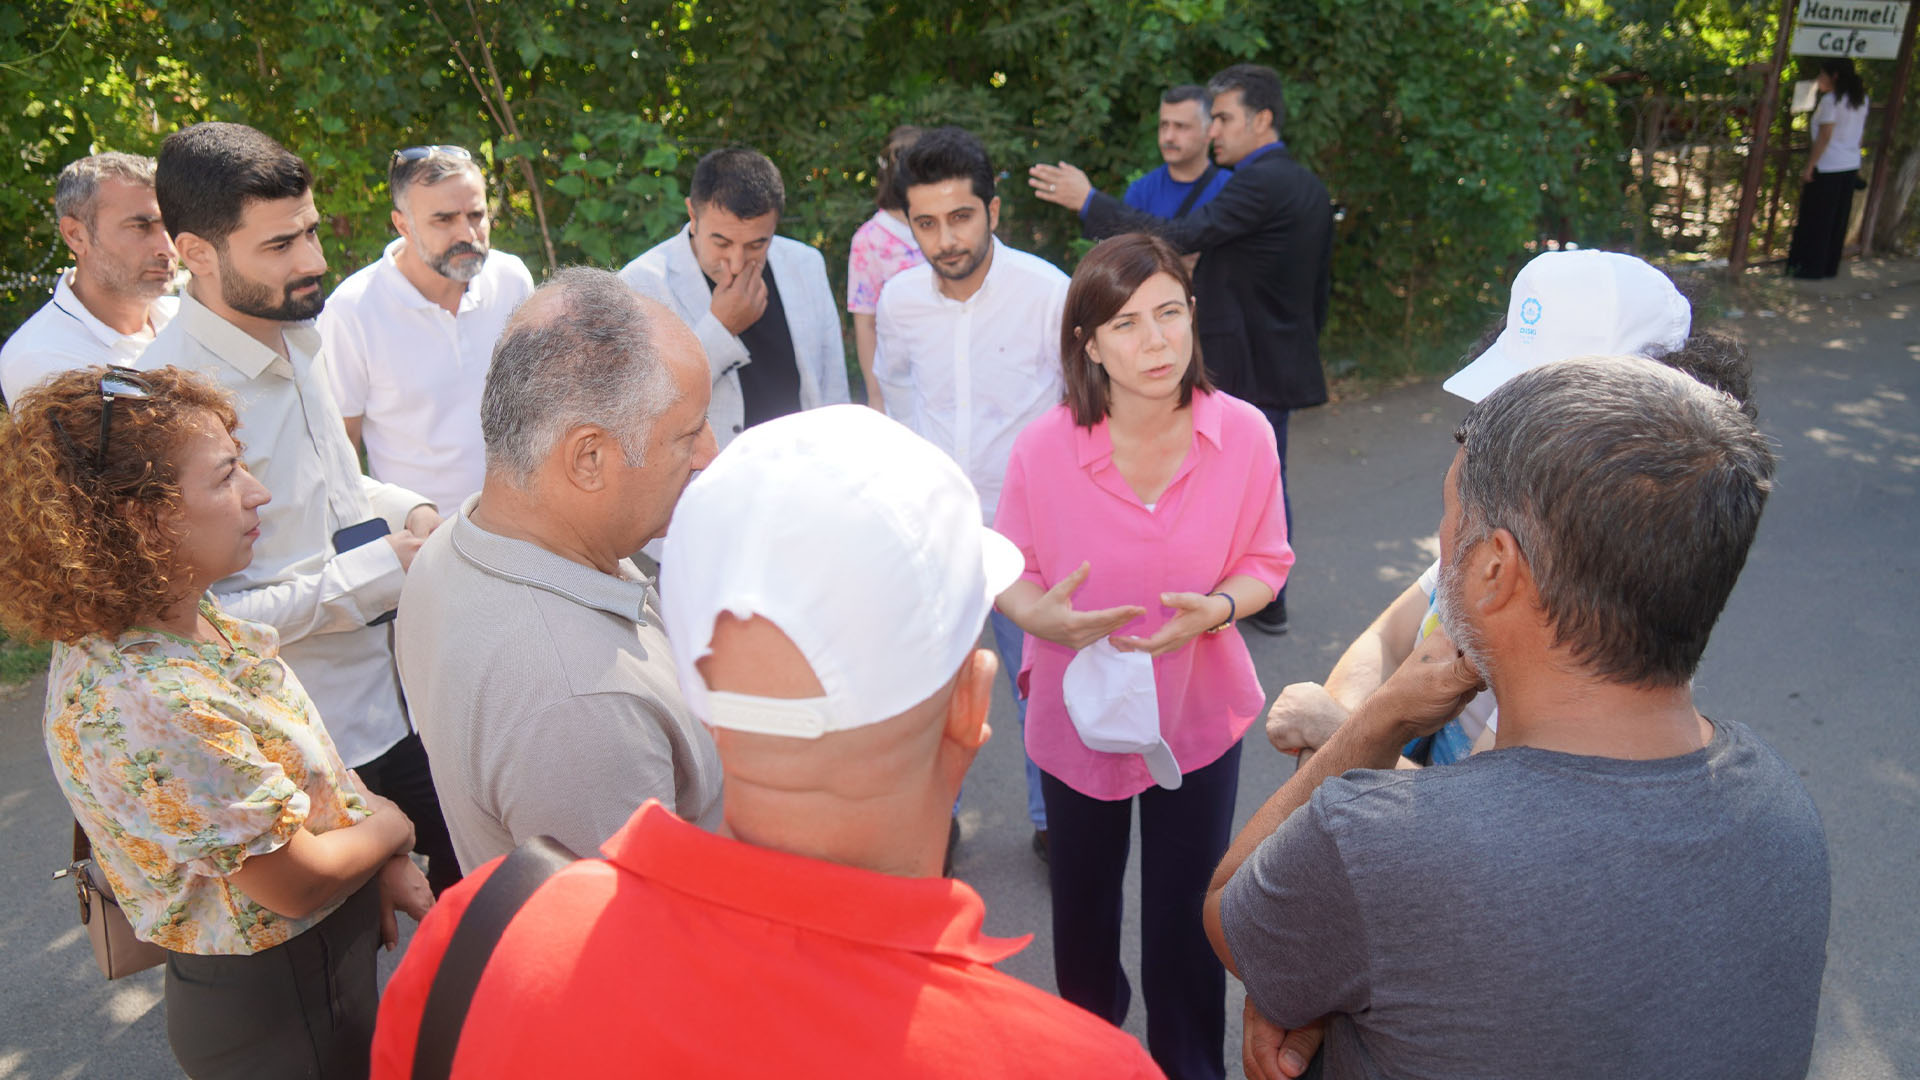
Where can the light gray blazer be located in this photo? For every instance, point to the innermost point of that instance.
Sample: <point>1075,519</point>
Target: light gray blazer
<point>667,272</point>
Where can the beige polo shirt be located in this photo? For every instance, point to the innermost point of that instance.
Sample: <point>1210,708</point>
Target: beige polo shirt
<point>545,694</point>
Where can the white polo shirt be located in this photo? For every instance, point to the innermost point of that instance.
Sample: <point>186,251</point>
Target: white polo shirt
<point>319,599</point>
<point>970,376</point>
<point>64,335</point>
<point>415,372</point>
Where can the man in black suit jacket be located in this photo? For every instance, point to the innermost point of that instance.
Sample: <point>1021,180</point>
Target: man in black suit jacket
<point>1266,247</point>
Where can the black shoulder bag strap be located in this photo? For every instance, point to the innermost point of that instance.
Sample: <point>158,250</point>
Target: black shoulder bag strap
<point>1193,193</point>
<point>506,891</point>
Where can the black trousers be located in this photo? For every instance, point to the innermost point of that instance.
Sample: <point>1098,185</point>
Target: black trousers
<point>304,1008</point>
<point>402,774</point>
<point>1820,234</point>
<point>1183,834</point>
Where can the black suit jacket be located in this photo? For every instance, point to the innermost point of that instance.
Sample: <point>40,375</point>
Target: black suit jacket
<point>1266,247</point>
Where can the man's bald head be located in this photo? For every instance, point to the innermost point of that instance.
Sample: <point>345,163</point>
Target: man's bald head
<point>583,349</point>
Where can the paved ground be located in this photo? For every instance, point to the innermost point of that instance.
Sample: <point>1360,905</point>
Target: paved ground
<point>1811,653</point>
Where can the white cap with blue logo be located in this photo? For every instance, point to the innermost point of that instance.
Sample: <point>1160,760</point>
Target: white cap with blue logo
<point>1567,304</point>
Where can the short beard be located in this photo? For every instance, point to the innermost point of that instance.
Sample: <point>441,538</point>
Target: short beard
<point>118,280</point>
<point>463,271</point>
<point>966,271</point>
<point>250,297</point>
<point>1453,618</point>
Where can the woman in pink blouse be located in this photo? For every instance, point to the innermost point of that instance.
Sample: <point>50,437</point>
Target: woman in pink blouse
<point>1148,506</point>
<point>882,247</point>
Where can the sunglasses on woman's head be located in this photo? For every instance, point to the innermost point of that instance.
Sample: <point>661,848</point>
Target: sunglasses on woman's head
<point>118,382</point>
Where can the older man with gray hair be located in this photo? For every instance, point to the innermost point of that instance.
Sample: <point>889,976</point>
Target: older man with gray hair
<point>107,309</point>
<point>528,645</point>
<point>1621,886</point>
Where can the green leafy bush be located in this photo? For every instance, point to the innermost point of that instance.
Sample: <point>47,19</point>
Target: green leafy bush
<point>1456,133</point>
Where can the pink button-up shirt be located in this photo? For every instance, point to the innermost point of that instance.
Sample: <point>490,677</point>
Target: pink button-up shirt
<point>1065,502</point>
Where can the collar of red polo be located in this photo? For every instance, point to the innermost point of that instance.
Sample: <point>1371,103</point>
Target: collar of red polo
<point>934,916</point>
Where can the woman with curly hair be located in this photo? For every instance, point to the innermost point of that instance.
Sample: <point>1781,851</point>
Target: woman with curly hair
<point>213,797</point>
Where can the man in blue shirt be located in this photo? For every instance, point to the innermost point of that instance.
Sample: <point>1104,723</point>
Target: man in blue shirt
<point>1189,178</point>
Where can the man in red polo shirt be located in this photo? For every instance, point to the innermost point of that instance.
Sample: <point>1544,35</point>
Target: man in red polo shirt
<point>824,587</point>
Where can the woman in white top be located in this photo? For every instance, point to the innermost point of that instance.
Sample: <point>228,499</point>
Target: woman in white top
<point>1832,172</point>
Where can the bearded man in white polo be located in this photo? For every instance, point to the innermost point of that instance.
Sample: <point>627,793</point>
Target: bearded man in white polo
<point>408,337</point>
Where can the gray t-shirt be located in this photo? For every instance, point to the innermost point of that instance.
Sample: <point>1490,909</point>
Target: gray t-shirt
<point>1530,913</point>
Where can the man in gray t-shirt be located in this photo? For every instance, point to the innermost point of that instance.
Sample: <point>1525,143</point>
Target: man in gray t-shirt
<point>1620,887</point>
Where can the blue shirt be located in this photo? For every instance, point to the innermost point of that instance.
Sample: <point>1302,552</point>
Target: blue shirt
<point>1159,194</point>
<point>1277,144</point>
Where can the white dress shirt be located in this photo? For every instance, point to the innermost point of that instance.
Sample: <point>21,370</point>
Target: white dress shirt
<point>968,376</point>
<point>669,273</point>
<point>415,372</point>
<point>318,599</point>
<point>64,335</point>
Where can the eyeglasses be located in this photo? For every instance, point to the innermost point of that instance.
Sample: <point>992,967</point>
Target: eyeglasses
<point>411,154</point>
<point>118,382</point>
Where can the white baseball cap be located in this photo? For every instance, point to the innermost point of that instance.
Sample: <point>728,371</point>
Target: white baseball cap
<point>1579,303</point>
<point>1115,707</point>
<point>860,540</point>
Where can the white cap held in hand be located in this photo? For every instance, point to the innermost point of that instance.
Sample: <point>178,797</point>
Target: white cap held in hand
<point>1115,707</point>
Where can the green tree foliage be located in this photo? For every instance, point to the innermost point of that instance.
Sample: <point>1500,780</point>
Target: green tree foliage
<point>1456,133</point>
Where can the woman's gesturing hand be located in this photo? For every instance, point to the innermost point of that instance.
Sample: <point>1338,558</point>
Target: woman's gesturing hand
<point>402,888</point>
<point>1051,615</point>
<point>1197,614</point>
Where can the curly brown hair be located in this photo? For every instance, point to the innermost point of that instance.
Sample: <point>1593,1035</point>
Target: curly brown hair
<point>82,548</point>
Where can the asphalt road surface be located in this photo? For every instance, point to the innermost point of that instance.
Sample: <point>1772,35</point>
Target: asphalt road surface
<point>1811,653</point>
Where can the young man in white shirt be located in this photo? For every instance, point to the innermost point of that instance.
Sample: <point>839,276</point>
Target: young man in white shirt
<point>110,305</point>
<point>408,338</point>
<point>334,545</point>
<point>759,303</point>
<point>969,341</point>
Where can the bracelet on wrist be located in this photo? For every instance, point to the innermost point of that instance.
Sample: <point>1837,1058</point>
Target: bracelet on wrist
<point>1233,609</point>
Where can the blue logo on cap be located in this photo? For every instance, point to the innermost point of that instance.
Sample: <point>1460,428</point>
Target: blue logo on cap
<point>1530,311</point>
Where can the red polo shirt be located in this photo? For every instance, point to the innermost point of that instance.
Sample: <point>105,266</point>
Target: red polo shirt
<point>685,954</point>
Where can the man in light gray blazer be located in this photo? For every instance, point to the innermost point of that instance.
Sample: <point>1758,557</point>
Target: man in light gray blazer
<point>758,302</point>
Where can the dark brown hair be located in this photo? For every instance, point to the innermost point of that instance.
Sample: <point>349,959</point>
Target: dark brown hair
<point>1104,281</point>
<point>82,549</point>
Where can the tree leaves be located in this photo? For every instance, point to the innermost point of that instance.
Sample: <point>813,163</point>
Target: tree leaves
<point>1457,134</point>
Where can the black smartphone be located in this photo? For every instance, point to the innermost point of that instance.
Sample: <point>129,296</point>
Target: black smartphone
<point>353,536</point>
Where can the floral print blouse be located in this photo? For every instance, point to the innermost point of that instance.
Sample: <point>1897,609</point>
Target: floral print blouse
<point>181,759</point>
<point>882,247</point>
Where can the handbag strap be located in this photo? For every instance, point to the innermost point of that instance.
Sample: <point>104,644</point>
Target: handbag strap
<point>1193,193</point>
<point>82,847</point>
<point>506,891</point>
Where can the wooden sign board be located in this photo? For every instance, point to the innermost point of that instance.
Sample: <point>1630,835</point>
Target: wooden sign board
<point>1861,30</point>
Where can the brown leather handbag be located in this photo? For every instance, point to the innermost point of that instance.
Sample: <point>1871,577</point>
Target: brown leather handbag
<point>115,949</point>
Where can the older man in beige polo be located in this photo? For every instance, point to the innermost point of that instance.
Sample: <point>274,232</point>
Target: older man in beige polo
<point>529,647</point>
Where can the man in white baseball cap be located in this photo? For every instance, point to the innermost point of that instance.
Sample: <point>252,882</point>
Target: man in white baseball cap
<point>1564,304</point>
<point>1579,303</point>
<point>824,589</point>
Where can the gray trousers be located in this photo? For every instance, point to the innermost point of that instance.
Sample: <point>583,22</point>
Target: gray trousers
<point>304,1008</point>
